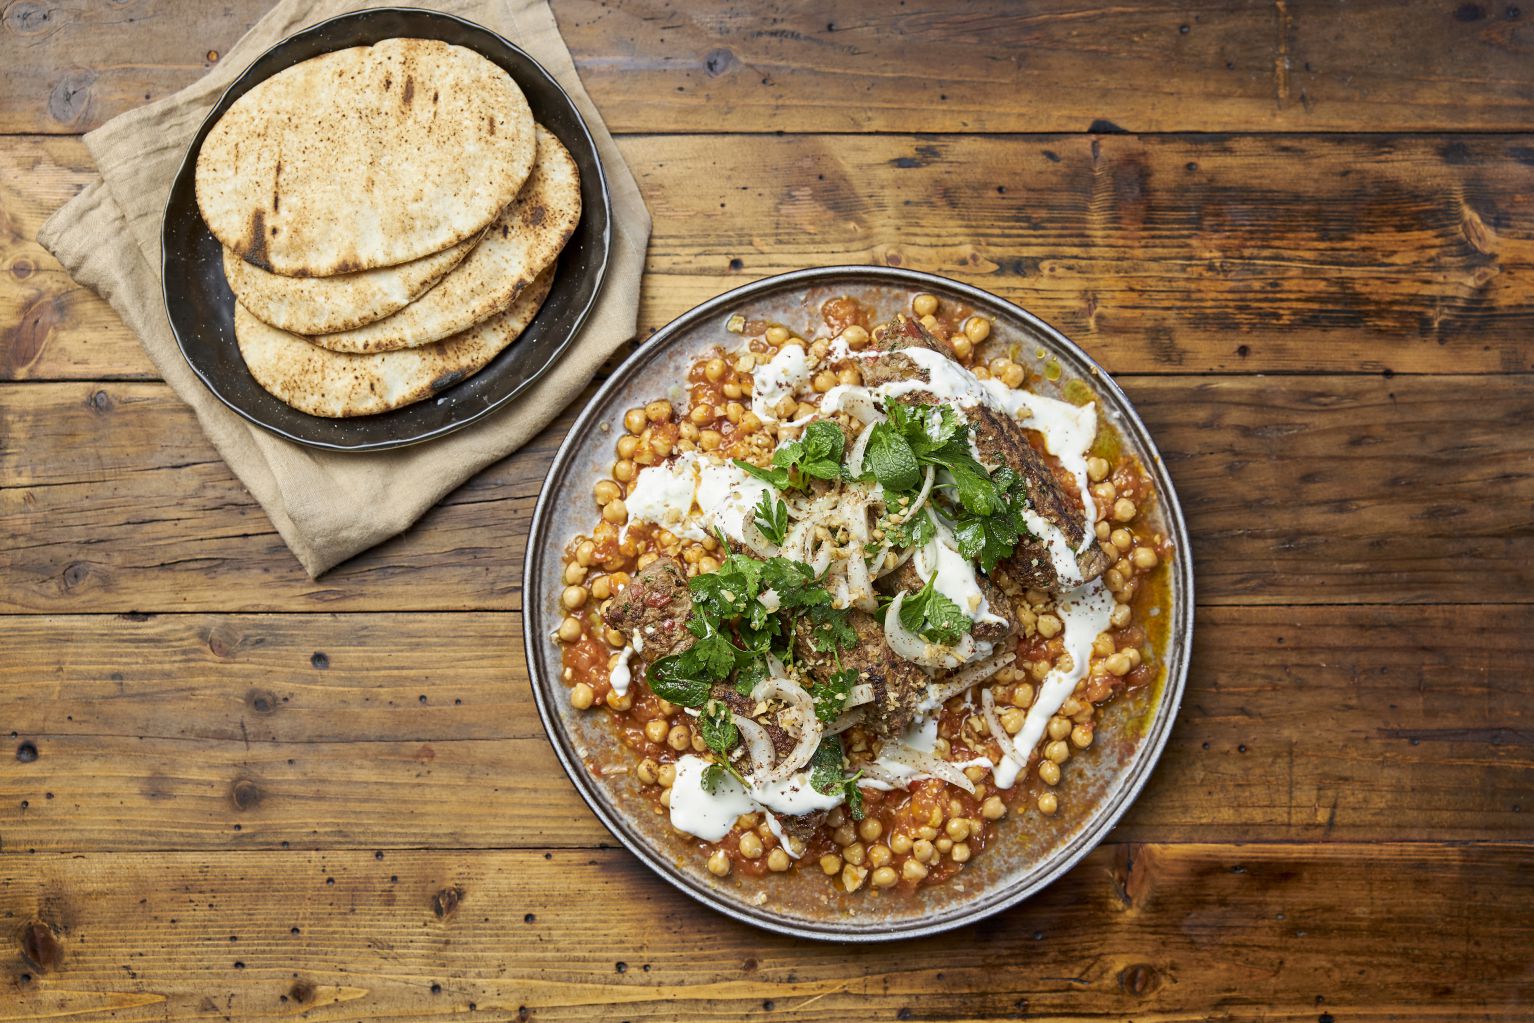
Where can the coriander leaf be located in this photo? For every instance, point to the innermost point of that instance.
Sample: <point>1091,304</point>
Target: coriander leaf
<point>794,583</point>
<point>916,531</point>
<point>831,696</point>
<point>772,518</point>
<point>830,628</point>
<point>989,538</point>
<point>888,458</point>
<point>750,675</point>
<point>717,726</point>
<point>854,796</point>
<point>934,616</point>
<point>775,476</point>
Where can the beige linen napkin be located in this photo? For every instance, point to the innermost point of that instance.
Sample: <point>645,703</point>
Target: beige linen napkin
<point>328,506</point>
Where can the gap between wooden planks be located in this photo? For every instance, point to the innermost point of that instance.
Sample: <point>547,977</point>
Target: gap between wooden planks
<point>846,65</point>
<point>1316,489</point>
<point>365,731</point>
<point>1148,932</point>
<point>1183,254</point>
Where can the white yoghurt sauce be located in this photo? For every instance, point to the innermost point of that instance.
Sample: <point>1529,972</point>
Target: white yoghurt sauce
<point>725,496</point>
<point>787,373</point>
<point>710,815</point>
<point>621,676</point>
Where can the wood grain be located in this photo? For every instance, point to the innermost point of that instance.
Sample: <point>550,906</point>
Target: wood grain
<point>1322,490</point>
<point>1146,932</point>
<point>1165,254</point>
<point>661,65</point>
<point>220,732</point>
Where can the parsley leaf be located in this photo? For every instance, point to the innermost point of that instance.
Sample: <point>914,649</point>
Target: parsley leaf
<point>817,454</point>
<point>828,775</point>
<point>687,677</point>
<point>717,727</point>
<point>831,696</point>
<point>772,518</point>
<point>988,538</point>
<point>916,531</point>
<point>830,629</point>
<point>934,616</point>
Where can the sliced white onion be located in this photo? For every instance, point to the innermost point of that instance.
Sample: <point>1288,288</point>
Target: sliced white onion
<point>956,683</point>
<point>860,694</point>
<point>810,730</point>
<point>844,722</point>
<point>758,743</point>
<point>860,585</point>
<point>922,495</point>
<point>927,764</point>
<point>860,446</point>
<point>821,559</point>
<point>913,648</point>
<point>993,722</point>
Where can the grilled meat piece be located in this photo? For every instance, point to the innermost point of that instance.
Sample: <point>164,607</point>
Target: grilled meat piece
<point>898,684</point>
<point>1000,440</point>
<point>655,607</point>
<point>906,578</point>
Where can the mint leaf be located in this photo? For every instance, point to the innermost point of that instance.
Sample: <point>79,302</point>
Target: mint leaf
<point>934,616</point>
<point>675,679</point>
<point>828,775</point>
<point>717,726</point>
<point>775,477</point>
<point>714,776</point>
<point>888,458</point>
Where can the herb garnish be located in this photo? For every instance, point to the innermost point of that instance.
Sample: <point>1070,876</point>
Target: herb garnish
<point>934,616</point>
<point>815,455</point>
<point>829,777</point>
<point>772,518</point>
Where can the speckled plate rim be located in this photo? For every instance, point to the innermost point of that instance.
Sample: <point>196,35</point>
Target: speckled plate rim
<point>463,415</point>
<point>544,553</point>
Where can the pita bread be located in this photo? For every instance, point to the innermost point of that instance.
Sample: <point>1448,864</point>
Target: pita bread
<point>332,384</point>
<point>365,157</point>
<point>524,239</point>
<point>320,305</point>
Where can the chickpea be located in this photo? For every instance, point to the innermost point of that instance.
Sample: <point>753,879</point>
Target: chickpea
<point>1105,492</point>
<point>1014,375</point>
<point>844,835</point>
<point>749,422</point>
<point>713,370</point>
<point>962,349</point>
<point>1081,736</point>
<point>699,414</point>
<point>570,630</point>
<point>1146,557</point>
<point>666,775</point>
<point>885,877</point>
<point>960,853</point>
<point>943,845</point>
<point>617,702</point>
<point>679,738</point>
<point>1121,539</point>
<point>573,597</point>
<point>993,809</point>
<point>1022,695</point>
<point>913,871</point>
<point>733,411</point>
<point>624,471</point>
<point>1012,720</point>
<point>870,829</point>
<point>878,855</point>
<point>634,420</point>
<point>751,846</point>
<point>1123,509</point>
<point>646,772</point>
<point>709,440</point>
<point>585,553</point>
<point>824,381</point>
<point>1049,626</point>
<point>777,334</point>
<point>855,854</point>
<point>900,843</point>
<point>1097,469</point>
<point>1049,772</point>
<point>778,861</point>
<point>856,337</point>
<point>1048,803</point>
<point>707,564</point>
<point>1134,655</point>
<point>627,445</point>
<point>923,850</point>
<point>957,829</point>
<point>582,696</point>
<point>849,376</point>
<point>719,863</point>
<point>924,304</point>
<point>1057,751</point>
<point>977,329</point>
<point>665,798</point>
<point>1120,615</point>
<point>616,512</point>
<point>1118,664</point>
<point>660,446</point>
<point>1059,727</point>
<point>831,864</point>
<point>602,587</point>
<point>1101,530</point>
<point>732,390</point>
<point>656,729</point>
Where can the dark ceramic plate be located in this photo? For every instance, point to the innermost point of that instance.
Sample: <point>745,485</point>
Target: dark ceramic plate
<point>201,306</point>
<point>1030,851</point>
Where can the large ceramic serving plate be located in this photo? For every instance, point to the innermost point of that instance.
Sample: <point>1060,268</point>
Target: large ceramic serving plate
<point>201,306</point>
<point>1030,851</point>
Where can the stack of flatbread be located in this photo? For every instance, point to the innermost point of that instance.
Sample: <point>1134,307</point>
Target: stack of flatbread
<point>390,217</point>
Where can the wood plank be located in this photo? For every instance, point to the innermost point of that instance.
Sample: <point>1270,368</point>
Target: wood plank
<point>654,65</point>
<point>218,731</point>
<point>1186,254</point>
<point>1149,932</point>
<point>1298,490</point>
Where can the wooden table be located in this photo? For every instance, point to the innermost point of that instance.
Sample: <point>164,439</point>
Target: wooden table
<point>1302,236</point>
